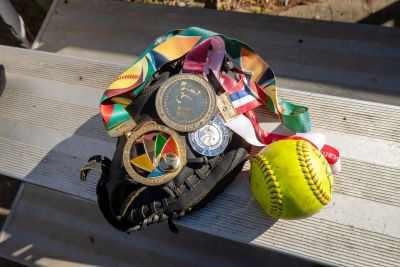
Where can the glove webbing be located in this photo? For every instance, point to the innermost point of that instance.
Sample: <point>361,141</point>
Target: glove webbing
<point>157,207</point>
<point>160,208</point>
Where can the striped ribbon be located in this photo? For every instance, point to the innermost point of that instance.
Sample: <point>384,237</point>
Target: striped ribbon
<point>241,97</point>
<point>175,44</point>
<point>244,102</point>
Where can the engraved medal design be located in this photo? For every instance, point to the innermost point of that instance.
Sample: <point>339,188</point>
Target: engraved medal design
<point>186,102</point>
<point>226,107</point>
<point>160,155</point>
<point>211,139</point>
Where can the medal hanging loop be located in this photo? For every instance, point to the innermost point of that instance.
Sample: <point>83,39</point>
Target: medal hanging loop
<point>199,60</point>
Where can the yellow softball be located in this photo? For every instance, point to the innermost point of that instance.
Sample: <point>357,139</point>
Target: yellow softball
<point>291,179</point>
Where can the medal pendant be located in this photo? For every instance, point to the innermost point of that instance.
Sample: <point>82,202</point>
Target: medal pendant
<point>226,107</point>
<point>211,139</point>
<point>160,155</point>
<point>186,102</point>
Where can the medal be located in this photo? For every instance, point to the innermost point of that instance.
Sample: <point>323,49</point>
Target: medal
<point>211,139</point>
<point>186,102</point>
<point>161,155</point>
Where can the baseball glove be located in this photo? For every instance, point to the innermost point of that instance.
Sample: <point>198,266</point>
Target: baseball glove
<point>129,205</point>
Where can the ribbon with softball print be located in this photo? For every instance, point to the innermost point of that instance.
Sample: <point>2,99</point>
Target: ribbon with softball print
<point>175,44</point>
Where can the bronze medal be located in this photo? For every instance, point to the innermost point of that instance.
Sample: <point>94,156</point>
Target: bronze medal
<point>186,102</point>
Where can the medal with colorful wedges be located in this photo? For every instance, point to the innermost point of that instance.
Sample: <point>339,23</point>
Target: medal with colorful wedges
<point>163,157</point>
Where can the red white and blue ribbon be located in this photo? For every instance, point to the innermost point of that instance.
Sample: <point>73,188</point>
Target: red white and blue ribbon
<point>242,96</point>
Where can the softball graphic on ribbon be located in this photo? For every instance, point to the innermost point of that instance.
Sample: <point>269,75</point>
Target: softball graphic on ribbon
<point>174,45</point>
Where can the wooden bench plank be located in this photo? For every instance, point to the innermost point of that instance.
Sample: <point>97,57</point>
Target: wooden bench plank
<point>53,229</point>
<point>343,53</point>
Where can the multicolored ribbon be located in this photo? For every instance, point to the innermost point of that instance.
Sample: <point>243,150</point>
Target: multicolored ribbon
<point>175,44</point>
<point>200,61</point>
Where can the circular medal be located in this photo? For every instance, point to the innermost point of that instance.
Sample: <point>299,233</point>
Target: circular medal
<point>160,155</point>
<point>211,139</point>
<point>186,102</point>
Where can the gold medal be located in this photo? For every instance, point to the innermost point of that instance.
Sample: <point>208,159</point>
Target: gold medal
<point>226,107</point>
<point>163,157</point>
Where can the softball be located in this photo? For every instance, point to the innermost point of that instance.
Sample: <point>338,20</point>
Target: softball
<point>291,179</point>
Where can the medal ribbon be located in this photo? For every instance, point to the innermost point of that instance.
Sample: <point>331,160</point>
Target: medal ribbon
<point>175,44</point>
<point>199,61</point>
<point>318,140</point>
<point>241,98</point>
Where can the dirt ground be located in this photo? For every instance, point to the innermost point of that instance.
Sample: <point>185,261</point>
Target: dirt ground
<point>378,12</point>
<point>375,12</point>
